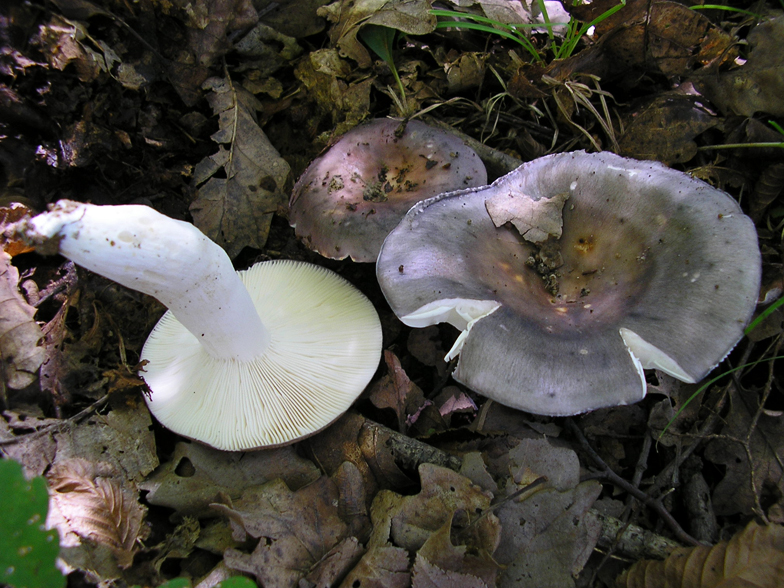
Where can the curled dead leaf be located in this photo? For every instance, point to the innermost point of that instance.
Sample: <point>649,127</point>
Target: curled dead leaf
<point>752,558</point>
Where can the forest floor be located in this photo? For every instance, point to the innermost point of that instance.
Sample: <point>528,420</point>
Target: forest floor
<point>424,482</point>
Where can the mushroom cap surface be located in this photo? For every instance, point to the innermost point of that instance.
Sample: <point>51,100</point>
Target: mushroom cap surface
<point>348,199</point>
<point>325,347</point>
<point>658,270</point>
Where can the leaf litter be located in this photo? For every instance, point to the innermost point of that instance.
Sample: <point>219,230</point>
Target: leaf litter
<point>425,483</point>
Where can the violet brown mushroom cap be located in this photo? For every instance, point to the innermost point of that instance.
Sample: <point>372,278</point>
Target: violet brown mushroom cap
<point>348,199</point>
<point>660,270</point>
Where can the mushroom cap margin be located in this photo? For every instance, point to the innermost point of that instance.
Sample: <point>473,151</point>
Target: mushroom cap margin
<point>583,366</point>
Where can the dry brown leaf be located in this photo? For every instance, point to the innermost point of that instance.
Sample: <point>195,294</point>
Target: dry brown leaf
<point>473,567</point>
<point>236,211</point>
<point>753,558</point>
<point>89,500</point>
<point>535,220</point>
<point>295,530</point>
<point>196,474</point>
<point>396,391</point>
<point>443,493</point>
<point>20,335</point>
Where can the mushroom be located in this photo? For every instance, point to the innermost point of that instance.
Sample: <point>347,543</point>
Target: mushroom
<point>645,267</point>
<point>241,360</point>
<point>348,200</point>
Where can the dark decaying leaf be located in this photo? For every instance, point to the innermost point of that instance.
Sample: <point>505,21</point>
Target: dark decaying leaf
<point>758,84</point>
<point>659,36</point>
<point>753,558</point>
<point>745,484</point>
<point>682,117</point>
<point>235,211</point>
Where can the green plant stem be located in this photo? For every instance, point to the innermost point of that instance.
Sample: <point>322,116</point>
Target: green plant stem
<point>740,145</point>
<point>727,8</point>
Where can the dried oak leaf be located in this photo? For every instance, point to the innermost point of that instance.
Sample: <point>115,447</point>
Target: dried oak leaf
<point>535,220</point>
<point>439,559</point>
<point>20,335</point>
<point>445,494</point>
<point>196,474</point>
<point>739,490</point>
<point>235,211</point>
<point>753,558</point>
<point>90,501</point>
<point>409,16</point>
<point>295,530</point>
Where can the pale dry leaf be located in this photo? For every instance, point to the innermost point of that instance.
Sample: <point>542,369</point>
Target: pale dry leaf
<point>535,220</point>
<point>753,558</point>
<point>533,458</point>
<point>547,538</point>
<point>235,211</point>
<point>20,335</point>
<point>381,567</point>
<point>93,503</point>
<point>296,530</point>
<point>335,564</point>
<point>196,474</point>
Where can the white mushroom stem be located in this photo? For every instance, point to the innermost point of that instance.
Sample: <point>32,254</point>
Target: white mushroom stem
<point>168,259</point>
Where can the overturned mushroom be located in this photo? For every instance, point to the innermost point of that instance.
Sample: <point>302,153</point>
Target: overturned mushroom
<point>650,269</point>
<point>348,200</point>
<point>242,360</point>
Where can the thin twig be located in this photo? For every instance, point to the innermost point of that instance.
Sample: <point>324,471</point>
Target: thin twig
<point>609,475</point>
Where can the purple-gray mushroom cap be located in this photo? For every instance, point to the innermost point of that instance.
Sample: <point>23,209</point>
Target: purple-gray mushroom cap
<point>613,266</point>
<point>348,199</point>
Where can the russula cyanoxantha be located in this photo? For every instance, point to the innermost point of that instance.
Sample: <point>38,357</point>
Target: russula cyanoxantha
<point>242,360</point>
<point>348,199</point>
<point>613,266</point>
